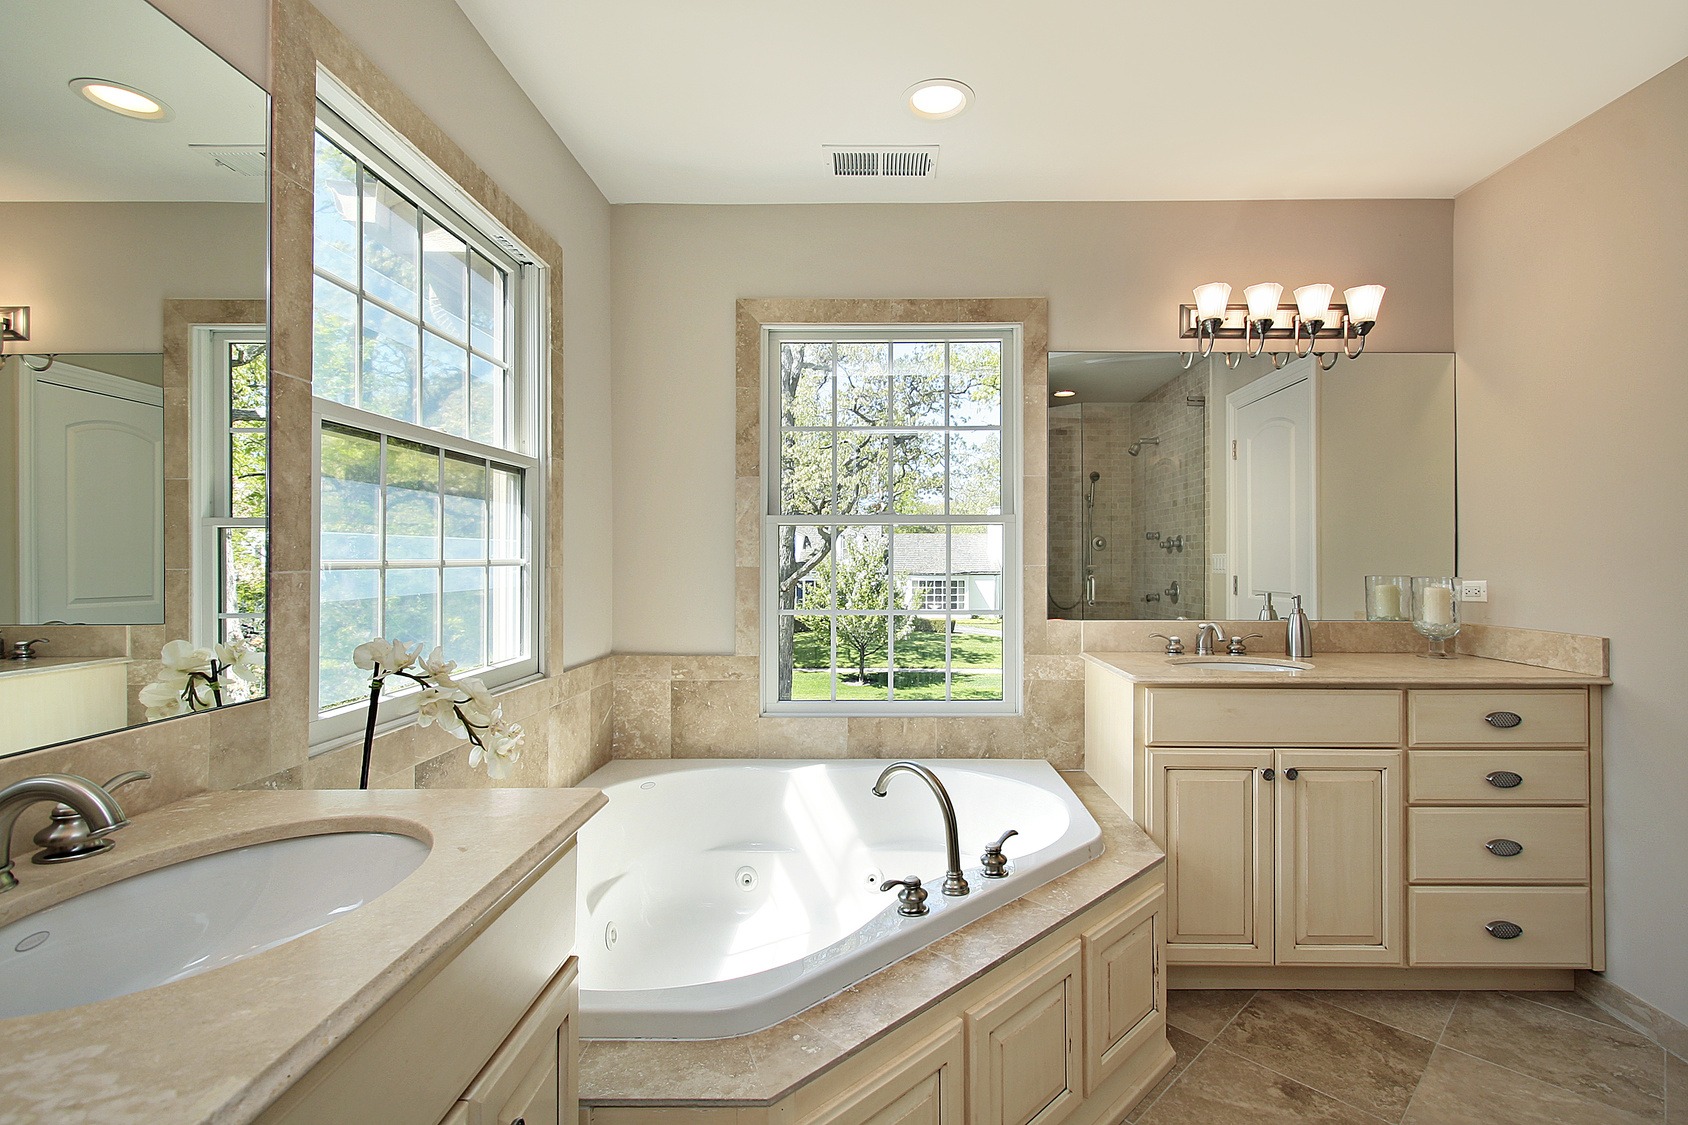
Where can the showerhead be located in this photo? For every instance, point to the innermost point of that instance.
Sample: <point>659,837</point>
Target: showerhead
<point>1094,477</point>
<point>1137,446</point>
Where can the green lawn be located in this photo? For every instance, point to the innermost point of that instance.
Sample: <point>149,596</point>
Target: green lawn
<point>922,650</point>
<point>910,685</point>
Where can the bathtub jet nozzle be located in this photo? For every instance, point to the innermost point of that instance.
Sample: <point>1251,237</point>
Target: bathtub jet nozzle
<point>955,884</point>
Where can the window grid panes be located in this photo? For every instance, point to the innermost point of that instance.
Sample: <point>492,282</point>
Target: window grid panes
<point>887,515</point>
<point>425,470</point>
<point>236,519</point>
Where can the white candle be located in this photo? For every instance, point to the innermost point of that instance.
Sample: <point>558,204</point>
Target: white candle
<point>1386,602</point>
<point>1438,606</point>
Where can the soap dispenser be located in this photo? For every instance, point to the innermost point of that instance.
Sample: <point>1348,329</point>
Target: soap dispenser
<point>1268,612</point>
<point>1299,635</point>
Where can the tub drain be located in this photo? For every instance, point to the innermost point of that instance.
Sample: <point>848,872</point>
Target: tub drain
<point>746,878</point>
<point>609,936</point>
<point>33,941</point>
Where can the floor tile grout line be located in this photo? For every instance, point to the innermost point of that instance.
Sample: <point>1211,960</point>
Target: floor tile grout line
<point>1537,1078</point>
<point>1620,1026</point>
<point>1206,1043</point>
<point>1299,1082</point>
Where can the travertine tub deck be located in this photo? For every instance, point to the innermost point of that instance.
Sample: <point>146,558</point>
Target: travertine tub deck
<point>221,1046</point>
<point>759,1069</point>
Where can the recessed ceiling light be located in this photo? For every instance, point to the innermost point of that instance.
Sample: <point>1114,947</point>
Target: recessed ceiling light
<point>1065,394</point>
<point>938,98</point>
<point>119,98</point>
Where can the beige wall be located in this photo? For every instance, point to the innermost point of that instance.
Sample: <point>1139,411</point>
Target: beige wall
<point>1113,272</point>
<point>96,275</point>
<point>1571,277</point>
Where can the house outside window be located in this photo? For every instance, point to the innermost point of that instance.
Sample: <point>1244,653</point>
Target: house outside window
<point>891,526</point>
<point>427,383</point>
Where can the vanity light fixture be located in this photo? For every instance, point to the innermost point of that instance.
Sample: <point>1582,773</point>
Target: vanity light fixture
<point>1312,316</point>
<point>14,325</point>
<point>938,98</point>
<point>119,98</point>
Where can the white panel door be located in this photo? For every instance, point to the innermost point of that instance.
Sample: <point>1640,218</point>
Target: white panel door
<point>1274,527</point>
<point>98,490</point>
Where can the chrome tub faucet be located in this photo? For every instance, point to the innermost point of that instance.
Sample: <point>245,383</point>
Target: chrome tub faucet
<point>955,884</point>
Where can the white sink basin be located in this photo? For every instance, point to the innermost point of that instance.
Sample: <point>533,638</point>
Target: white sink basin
<point>1240,663</point>
<point>194,916</point>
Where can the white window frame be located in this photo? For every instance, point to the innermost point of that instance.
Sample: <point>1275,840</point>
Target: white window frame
<point>212,496</point>
<point>363,133</point>
<point>1010,519</point>
<point>949,589</point>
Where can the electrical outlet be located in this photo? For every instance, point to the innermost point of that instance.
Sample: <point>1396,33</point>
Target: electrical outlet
<point>1473,590</point>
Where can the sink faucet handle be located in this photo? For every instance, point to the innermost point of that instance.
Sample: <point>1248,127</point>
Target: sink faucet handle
<point>25,650</point>
<point>1239,646</point>
<point>67,835</point>
<point>996,864</point>
<point>1174,645</point>
<point>911,900</point>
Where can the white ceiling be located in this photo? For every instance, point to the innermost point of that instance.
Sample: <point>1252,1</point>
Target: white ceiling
<point>730,101</point>
<point>1111,376</point>
<point>56,145</point>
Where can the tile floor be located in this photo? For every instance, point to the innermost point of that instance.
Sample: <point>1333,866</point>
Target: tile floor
<point>1424,1058</point>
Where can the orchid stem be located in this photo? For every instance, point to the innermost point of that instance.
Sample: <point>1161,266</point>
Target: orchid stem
<point>375,686</point>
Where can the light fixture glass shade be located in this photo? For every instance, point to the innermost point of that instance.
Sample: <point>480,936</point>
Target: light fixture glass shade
<point>1263,300</point>
<point>1363,302</point>
<point>1211,300</point>
<point>938,98</point>
<point>1313,301</point>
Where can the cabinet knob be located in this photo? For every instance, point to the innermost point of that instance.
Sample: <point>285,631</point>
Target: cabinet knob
<point>1291,774</point>
<point>1505,931</point>
<point>1504,848</point>
<point>1503,720</point>
<point>1269,773</point>
<point>1504,779</point>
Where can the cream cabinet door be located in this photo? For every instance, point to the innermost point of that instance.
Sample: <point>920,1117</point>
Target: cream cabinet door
<point>1339,886</point>
<point>1211,812</point>
<point>1023,1055</point>
<point>531,1080</point>
<point>1124,989</point>
<point>924,1087</point>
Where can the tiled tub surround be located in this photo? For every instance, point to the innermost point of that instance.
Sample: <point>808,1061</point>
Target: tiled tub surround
<point>762,1069</point>
<point>222,1046</point>
<point>742,892</point>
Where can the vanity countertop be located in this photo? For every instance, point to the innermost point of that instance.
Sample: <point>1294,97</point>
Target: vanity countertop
<point>55,664</point>
<point>761,1068</point>
<point>223,1045</point>
<point>1344,669</point>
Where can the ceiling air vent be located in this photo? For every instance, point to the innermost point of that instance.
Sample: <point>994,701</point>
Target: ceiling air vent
<point>869,160</point>
<point>242,160</point>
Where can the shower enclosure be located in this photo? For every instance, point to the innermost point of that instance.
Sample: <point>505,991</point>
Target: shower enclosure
<point>1128,497</point>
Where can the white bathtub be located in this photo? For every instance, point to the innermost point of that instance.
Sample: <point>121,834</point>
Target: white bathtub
<point>720,897</point>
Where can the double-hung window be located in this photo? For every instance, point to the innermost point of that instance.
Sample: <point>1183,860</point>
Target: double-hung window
<point>891,535</point>
<point>428,390</point>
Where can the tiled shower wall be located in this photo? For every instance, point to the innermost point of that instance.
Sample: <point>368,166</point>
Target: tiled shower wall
<point>1170,481</point>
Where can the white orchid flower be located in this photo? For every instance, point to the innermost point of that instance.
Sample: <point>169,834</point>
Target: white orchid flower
<point>389,656</point>
<point>439,705</point>
<point>164,700</point>
<point>437,668</point>
<point>238,660</point>
<point>500,749</point>
<point>181,656</point>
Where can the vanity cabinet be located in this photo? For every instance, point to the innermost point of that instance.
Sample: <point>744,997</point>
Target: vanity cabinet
<point>1023,1045</point>
<point>1279,856</point>
<point>532,1078</point>
<point>1364,834</point>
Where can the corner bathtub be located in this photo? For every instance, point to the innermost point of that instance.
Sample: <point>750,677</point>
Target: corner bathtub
<point>718,898</point>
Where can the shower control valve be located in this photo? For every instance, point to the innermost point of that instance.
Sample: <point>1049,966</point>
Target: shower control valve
<point>1239,645</point>
<point>1174,645</point>
<point>911,900</point>
<point>996,864</point>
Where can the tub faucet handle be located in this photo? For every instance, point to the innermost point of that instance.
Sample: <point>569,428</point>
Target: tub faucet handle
<point>911,900</point>
<point>996,864</point>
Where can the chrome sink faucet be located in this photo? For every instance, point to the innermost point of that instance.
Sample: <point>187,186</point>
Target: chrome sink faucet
<point>955,884</point>
<point>1206,634</point>
<point>101,811</point>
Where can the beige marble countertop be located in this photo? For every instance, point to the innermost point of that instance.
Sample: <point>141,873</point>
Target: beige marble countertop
<point>54,664</point>
<point>221,1046</point>
<point>761,1068</point>
<point>1344,669</point>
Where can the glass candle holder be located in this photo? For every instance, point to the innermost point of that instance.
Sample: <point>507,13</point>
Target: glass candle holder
<point>1436,614</point>
<point>1389,597</point>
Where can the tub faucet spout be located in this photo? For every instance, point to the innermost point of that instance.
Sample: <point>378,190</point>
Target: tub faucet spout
<point>955,884</point>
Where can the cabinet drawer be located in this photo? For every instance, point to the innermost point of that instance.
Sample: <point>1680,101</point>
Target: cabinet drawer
<point>1448,926</point>
<point>1272,717</point>
<point>1462,777</point>
<point>1480,718</point>
<point>1471,845</point>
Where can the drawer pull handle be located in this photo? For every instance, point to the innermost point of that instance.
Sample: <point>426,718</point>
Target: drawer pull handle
<point>1503,720</point>
<point>1504,779</point>
<point>1505,931</point>
<point>1504,848</point>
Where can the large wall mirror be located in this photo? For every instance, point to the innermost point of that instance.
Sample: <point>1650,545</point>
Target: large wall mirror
<point>1202,492</point>
<point>134,389</point>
